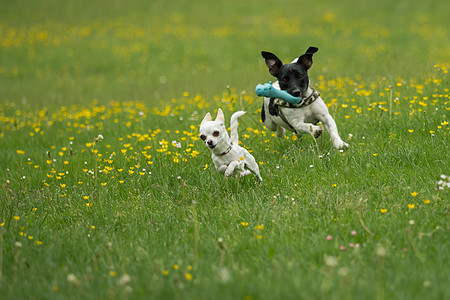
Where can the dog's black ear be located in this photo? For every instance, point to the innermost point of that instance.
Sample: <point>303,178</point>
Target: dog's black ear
<point>272,62</point>
<point>306,59</point>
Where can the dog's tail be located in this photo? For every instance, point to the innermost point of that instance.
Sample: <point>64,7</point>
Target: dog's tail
<point>234,126</point>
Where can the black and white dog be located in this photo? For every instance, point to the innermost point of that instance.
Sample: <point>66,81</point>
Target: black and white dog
<point>301,118</point>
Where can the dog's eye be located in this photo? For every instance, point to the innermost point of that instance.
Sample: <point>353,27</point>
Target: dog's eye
<point>216,133</point>
<point>203,137</point>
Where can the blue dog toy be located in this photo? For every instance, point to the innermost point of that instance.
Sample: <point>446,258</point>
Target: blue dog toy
<point>267,90</point>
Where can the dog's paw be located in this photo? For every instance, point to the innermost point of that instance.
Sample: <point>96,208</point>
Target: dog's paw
<point>228,173</point>
<point>245,173</point>
<point>318,132</point>
<point>341,145</point>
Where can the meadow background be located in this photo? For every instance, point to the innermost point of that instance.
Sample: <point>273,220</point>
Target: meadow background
<point>142,213</point>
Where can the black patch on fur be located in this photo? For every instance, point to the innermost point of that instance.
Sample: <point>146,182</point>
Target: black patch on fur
<point>263,114</point>
<point>273,109</point>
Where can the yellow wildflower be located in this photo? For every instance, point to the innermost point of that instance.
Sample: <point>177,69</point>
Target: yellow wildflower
<point>188,276</point>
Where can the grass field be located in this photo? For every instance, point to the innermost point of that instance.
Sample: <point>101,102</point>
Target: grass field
<point>108,193</point>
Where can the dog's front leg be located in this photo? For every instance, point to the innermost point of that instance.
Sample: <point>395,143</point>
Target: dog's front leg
<point>244,173</point>
<point>330,126</point>
<point>230,168</point>
<point>221,169</point>
<point>307,128</point>
<point>251,164</point>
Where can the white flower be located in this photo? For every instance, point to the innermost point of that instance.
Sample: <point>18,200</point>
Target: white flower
<point>125,279</point>
<point>71,278</point>
<point>224,275</point>
<point>331,261</point>
<point>381,252</point>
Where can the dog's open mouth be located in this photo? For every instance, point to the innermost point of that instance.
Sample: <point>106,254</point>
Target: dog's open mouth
<point>212,146</point>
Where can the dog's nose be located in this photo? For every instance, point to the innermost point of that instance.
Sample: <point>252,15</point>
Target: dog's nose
<point>210,142</point>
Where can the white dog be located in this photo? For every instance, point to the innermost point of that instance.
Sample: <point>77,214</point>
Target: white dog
<point>228,157</point>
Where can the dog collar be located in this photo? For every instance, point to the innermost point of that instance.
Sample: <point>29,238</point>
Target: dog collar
<point>307,101</point>
<point>227,151</point>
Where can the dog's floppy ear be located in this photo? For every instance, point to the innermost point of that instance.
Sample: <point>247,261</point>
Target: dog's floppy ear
<point>306,59</point>
<point>207,118</point>
<point>272,62</point>
<point>220,117</point>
